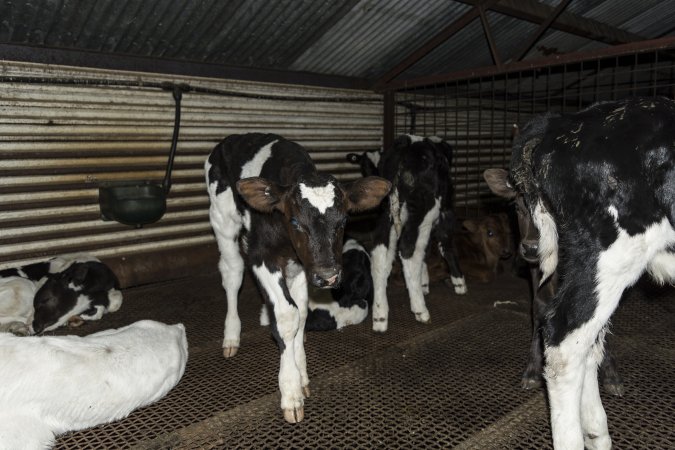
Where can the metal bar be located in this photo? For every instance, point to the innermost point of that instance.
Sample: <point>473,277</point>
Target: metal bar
<point>541,30</point>
<point>553,60</point>
<point>389,125</point>
<point>432,43</point>
<point>489,37</point>
<point>534,11</point>
<point>98,60</point>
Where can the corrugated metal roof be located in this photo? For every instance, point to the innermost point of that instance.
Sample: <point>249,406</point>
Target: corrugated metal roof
<point>355,38</point>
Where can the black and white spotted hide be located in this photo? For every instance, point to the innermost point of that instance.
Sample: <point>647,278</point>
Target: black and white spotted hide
<point>268,198</point>
<point>599,185</point>
<point>419,207</point>
<point>350,300</point>
<point>64,288</point>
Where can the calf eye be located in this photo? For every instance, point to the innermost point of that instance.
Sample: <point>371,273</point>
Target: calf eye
<point>295,224</point>
<point>490,233</point>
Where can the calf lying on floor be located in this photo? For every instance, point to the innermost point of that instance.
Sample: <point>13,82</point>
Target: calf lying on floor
<point>51,385</point>
<point>350,300</point>
<point>64,287</point>
<point>600,186</point>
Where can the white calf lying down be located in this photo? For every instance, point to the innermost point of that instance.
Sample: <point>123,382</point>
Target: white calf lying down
<point>16,304</point>
<point>51,385</point>
<point>54,291</point>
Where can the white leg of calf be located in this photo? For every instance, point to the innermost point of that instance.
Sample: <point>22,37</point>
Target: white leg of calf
<point>226,223</point>
<point>297,286</point>
<point>593,417</point>
<point>564,373</point>
<point>414,268</point>
<point>114,300</point>
<point>412,271</point>
<point>425,279</point>
<point>287,320</point>
<point>381,259</point>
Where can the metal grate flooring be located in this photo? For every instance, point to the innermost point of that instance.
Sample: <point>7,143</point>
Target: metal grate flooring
<point>454,383</point>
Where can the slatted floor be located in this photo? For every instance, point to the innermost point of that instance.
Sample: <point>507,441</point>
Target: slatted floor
<point>451,384</point>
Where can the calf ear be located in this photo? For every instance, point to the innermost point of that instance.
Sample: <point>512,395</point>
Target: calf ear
<point>366,193</point>
<point>261,194</point>
<point>498,181</point>
<point>470,225</point>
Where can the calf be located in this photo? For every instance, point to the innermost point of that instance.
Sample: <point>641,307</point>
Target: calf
<point>55,384</point>
<point>485,242</point>
<point>367,161</point>
<point>420,203</point>
<point>543,293</point>
<point>350,299</point>
<point>65,287</point>
<point>600,186</point>
<point>291,220</point>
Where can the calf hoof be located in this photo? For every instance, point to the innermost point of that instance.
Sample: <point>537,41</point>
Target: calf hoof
<point>423,317</point>
<point>457,284</point>
<point>380,325</point>
<point>75,321</point>
<point>528,383</point>
<point>306,392</point>
<point>229,352</point>
<point>613,388</point>
<point>294,415</point>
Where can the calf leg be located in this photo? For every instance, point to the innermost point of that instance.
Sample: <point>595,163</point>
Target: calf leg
<point>287,327</point>
<point>541,297</point>
<point>297,287</point>
<point>425,279</point>
<point>381,260</point>
<point>413,243</point>
<point>593,416</point>
<point>227,223</point>
<point>448,251</point>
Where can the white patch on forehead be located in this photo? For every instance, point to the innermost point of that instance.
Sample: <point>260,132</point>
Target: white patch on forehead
<point>414,138</point>
<point>321,197</point>
<point>253,167</point>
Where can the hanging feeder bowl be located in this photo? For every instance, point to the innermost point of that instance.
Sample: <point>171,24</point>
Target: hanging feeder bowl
<point>139,203</point>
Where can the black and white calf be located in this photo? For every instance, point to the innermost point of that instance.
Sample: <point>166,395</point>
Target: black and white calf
<point>291,220</point>
<point>600,186</point>
<point>419,205</point>
<point>543,293</point>
<point>350,300</point>
<point>64,287</point>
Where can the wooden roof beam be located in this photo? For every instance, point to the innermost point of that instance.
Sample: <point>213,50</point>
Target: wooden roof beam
<point>541,30</point>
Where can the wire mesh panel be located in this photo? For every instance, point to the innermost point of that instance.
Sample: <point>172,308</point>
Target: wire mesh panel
<point>477,115</point>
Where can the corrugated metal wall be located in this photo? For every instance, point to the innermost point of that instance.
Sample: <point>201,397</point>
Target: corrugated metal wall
<point>58,142</point>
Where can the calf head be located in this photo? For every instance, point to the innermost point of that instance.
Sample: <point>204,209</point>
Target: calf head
<point>60,297</point>
<point>314,212</point>
<point>498,181</point>
<point>367,161</point>
<point>492,236</point>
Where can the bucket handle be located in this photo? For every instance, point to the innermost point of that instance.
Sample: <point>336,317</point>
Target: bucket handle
<point>177,90</point>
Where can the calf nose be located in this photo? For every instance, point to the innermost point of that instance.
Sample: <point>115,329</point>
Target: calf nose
<point>529,250</point>
<point>326,278</point>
